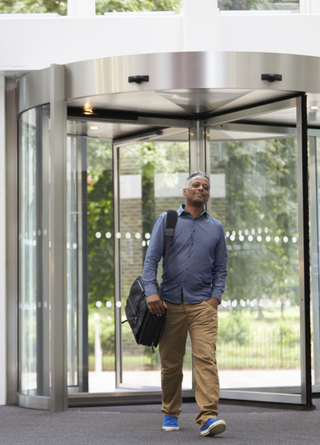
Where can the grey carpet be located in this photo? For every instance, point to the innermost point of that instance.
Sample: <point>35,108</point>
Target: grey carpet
<point>136,425</point>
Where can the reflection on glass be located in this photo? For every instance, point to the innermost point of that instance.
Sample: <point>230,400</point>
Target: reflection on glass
<point>32,7</point>
<point>243,5</point>
<point>254,194</point>
<point>90,265</point>
<point>34,252</point>
<point>152,175</point>
<point>101,329</point>
<point>103,6</point>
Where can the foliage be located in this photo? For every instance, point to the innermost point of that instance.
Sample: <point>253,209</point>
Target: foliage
<point>102,6</point>
<point>100,220</point>
<point>33,6</point>
<point>148,159</point>
<point>273,342</point>
<point>235,328</point>
<point>261,193</point>
<point>147,154</point>
<point>241,5</point>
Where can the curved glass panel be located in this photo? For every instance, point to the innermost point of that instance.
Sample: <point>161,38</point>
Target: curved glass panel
<point>34,252</point>
<point>258,5</point>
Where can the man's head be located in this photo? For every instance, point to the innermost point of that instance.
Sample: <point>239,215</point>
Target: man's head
<point>197,189</point>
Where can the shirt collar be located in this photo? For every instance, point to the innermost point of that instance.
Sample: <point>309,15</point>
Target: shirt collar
<point>181,210</point>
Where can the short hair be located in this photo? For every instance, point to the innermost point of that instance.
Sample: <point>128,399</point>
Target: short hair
<point>197,173</point>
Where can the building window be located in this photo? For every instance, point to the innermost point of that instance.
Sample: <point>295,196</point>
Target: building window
<point>247,5</point>
<point>33,7</point>
<point>103,6</point>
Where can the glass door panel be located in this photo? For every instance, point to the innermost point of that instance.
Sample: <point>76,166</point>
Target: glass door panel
<point>101,301</point>
<point>151,178</point>
<point>90,291</point>
<point>254,193</point>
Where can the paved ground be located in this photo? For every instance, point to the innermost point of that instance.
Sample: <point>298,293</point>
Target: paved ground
<point>136,425</point>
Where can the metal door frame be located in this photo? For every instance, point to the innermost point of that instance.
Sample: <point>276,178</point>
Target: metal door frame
<point>165,124</point>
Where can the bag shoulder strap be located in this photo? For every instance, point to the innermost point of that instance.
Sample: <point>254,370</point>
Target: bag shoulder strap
<point>172,218</point>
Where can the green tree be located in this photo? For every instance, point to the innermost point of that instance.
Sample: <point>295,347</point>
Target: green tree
<point>147,185</point>
<point>102,6</point>
<point>242,5</point>
<point>148,159</point>
<point>100,221</point>
<point>261,192</point>
<point>33,6</point>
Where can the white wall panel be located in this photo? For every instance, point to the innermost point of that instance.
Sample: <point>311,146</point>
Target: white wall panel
<point>199,25</point>
<point>34,43</point>
<point>288,34</point>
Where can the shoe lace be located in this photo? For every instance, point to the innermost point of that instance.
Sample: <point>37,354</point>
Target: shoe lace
<point>171,421</point>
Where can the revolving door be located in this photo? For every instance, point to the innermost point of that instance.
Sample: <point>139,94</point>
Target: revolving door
<point>104,150</point>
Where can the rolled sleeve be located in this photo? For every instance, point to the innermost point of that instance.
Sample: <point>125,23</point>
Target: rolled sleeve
<point>220,267</point>
<point>154,254</point>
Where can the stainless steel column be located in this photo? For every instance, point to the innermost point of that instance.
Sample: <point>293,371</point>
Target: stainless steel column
<point>12,241</point>
<point>197,146</point>
<point>58,139</point>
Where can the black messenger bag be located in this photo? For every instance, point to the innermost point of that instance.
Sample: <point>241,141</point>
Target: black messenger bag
<point>147,328</point>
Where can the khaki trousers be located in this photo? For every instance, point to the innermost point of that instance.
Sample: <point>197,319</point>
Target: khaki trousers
<point>201,320</point>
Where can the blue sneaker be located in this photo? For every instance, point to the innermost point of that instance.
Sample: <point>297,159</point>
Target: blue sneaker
<point>170,423</point>
<point>213,427</point>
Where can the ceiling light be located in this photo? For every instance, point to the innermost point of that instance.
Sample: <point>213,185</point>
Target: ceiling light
<point>87,109</point>
<point>314,107</point>
<point>93,128</point>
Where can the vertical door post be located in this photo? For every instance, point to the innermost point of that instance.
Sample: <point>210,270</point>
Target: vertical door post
<point>12,277</point>
<point>83,280</point>
<point>197,146</point>
<point>117,265</point>
<point>304,250</point>
<point>58,263</point>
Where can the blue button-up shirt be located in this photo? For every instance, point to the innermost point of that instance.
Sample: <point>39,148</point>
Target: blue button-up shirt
<point>197,262</point>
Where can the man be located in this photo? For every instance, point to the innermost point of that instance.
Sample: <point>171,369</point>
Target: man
<point>193,281</point>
